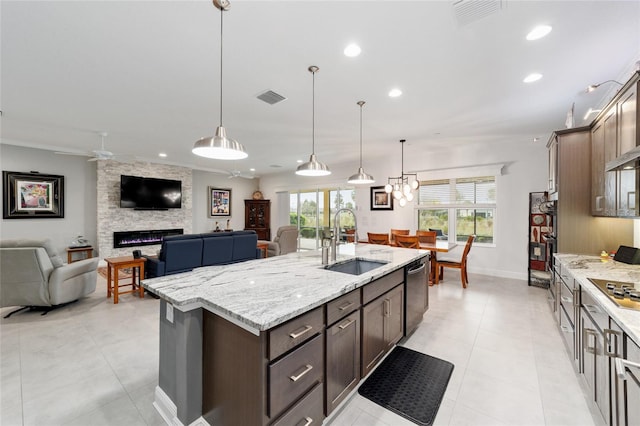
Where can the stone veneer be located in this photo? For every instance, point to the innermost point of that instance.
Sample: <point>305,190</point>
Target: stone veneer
<point>112,218</point>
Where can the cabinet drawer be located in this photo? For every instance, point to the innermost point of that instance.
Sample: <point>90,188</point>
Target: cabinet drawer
<point>596,312</point>
<point>307,411</point>
<point>381,286</point>
<point>342,306</point>
<point>296,373</point>
<point>294,332</point>
<point>566,295</point>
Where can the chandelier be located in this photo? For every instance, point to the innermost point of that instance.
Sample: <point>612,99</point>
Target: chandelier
<point>402,186</point>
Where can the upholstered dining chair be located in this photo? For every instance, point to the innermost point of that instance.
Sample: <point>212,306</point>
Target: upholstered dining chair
<point>459,264</point>
<point>378,238</point>
<point>408,241</point>
<point>426,236</point>
<point>394,232</point>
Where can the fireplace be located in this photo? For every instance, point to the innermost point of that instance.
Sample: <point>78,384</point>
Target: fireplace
<point>142,238</point>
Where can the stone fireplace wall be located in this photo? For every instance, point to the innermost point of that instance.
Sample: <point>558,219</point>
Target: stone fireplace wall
<point>112,218</point>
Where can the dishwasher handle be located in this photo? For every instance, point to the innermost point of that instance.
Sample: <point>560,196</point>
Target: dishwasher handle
<point>416,270</point>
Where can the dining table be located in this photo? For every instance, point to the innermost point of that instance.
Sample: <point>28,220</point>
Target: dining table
<point>441,246</point>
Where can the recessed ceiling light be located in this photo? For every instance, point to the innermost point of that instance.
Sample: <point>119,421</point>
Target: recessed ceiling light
<point>532,77</point>
<point>298,161</point>
<point>352,50</point>
<point>162,154</point>
<point>394,93</point>
<point>536,139</point>
<point>252,169</point>
<point>539,32</point>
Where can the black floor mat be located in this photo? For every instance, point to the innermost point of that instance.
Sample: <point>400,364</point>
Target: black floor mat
<point>409,383</point>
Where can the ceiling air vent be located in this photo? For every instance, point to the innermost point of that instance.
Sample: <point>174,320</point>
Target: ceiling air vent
<point>271,97</point>
<point>468,11</point>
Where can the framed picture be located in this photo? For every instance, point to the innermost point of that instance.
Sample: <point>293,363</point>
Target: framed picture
<point>32,195</point>
<point>219,202</point>
<point>380,200</point>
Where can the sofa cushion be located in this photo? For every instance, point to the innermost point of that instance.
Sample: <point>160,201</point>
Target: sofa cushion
<point>245,244</point>
<point>217,250</point>
<point>182,255</point>
<point>161,253</point>
<point>56,260</point>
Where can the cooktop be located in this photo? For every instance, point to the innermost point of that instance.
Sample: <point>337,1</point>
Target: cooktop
<point>624,294</point>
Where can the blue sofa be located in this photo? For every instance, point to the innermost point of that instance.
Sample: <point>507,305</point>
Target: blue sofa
<point>183,253</point>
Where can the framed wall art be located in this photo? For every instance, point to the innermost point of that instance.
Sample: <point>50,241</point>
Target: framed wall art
<point>219,202</point>
<point>32,195</point>
<point>380,200</point>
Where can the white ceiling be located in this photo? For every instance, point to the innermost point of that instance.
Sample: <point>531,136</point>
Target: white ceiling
<point>147,72</point>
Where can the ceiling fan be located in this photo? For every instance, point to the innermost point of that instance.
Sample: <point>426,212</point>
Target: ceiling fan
<point>232,174</point>
<point>98,154</point>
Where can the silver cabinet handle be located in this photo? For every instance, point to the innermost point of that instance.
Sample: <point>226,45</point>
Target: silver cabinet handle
<point>566,299</point>
<point>608,345</point>
<point>387,308</point>
<point>587,332</point>
<point>306,370</point>
<point>345,306</point>
<point>347,324</point>
<point>295,335</point>
<point>308,421</point>
<point>621,365</point>
<point>565,329</point>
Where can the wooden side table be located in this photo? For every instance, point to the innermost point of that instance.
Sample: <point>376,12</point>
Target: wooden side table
<point>264,247</point>
<point>113,281</point>
<point>87,252</point>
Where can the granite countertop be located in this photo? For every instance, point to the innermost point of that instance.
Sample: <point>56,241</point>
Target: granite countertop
<point>582,267</point>
<point>260,294</point>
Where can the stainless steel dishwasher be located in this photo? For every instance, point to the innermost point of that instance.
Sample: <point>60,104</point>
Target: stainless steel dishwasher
<point>416,293</point>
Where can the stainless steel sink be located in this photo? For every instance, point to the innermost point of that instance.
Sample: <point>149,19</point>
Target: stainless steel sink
<point>355,266</point>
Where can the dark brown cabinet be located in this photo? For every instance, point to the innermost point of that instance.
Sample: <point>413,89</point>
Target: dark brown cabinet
<point>382,326</point>
<point>343,359</point>
<point>257,217</point>
<point>614,134</point>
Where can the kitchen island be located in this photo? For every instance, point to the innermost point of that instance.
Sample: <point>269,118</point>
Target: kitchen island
<point>228,332</point>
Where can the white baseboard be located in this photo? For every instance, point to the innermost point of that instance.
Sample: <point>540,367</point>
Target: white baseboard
<point>169,412</point>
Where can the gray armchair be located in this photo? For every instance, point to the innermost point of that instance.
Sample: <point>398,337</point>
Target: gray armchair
<point>285,241</point>
<point>32,274</point>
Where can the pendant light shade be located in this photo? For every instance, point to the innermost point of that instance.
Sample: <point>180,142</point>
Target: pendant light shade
<point>220,147</point>
<point>313,167</point>
<point>361,177</point>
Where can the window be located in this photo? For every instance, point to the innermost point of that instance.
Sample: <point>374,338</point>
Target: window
<point>313,211</point>
<point>465,206</point>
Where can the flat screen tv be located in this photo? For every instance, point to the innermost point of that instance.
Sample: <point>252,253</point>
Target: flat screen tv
<point>144,193</point>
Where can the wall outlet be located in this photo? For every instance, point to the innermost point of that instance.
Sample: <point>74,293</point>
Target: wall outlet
<point>170,313</point>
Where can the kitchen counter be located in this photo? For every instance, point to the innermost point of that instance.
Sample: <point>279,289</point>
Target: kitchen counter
<point>582,267</point>
<point>260,294</point>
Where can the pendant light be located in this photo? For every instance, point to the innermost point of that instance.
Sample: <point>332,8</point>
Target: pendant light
<point>402,187</point>
<point>361,177</point>
<point>219,146</point>
<point>313,167</point>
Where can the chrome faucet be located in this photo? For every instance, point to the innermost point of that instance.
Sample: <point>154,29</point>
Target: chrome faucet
<point>336,231</point>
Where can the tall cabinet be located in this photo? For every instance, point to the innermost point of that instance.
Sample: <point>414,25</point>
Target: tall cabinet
<point>257,217</point>
<point>570,177</point>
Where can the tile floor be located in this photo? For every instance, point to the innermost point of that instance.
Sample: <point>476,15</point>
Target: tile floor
<point>95,363</point>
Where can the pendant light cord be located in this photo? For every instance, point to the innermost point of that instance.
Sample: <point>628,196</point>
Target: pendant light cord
<point>313,114</point>
<point>221,13</point>
<point>361,133</point>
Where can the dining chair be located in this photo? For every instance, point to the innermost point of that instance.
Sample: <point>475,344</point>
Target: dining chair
<point>408,241</point>
<point>350,235</point>
<point>394,232</point>
<point>426,236</point>
<point>459,264</point>
<point>378,238</point>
